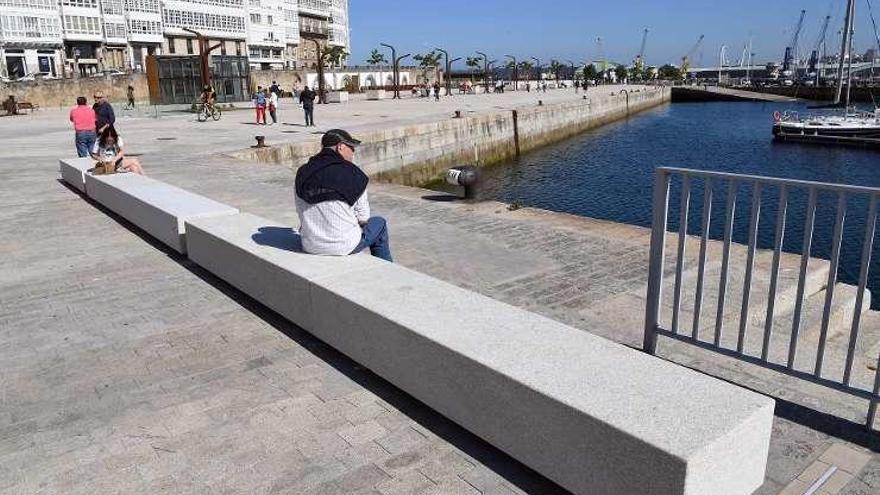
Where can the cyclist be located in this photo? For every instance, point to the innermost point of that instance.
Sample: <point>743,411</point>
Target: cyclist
<point>208,97</point>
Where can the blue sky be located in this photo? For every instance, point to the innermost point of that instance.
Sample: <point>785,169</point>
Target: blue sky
<point>567,29</point>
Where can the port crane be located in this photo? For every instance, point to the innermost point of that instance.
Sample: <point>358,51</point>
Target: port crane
<point>791,49</point>
<point>686,60</point>
<point>639,62</point>
<point>814,55</point>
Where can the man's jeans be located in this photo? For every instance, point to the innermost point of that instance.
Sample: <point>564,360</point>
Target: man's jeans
<point>310,115</point>
<point>375,236</point>
<point>84,141</point>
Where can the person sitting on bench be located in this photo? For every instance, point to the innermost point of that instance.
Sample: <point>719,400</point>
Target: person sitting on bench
<point>331,200</point>
<point>109,149</point>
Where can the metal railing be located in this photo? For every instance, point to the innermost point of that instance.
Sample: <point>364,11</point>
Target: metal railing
<point>733,345</point>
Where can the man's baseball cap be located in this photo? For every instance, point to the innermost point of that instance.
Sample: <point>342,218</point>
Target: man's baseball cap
<point>335,136</point>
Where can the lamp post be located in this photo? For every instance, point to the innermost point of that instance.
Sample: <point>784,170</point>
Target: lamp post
<point>538,62</point>
<point>515,71</point>
<point>395,69</point>
<point>485,69</point>
<point>449,71</point>
<point>573,73</point>
<point>447,65</point>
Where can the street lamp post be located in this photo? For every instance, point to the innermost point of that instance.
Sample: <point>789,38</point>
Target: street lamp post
<point>538,62</point>
<point>515,71</point>
<point>395,69</point>
<point>573,73</point>
<point>449,71</point>
<point>447,80</point>
<point>485,69</point>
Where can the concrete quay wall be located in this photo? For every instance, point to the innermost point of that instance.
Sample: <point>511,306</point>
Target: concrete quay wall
<point>418,153</point>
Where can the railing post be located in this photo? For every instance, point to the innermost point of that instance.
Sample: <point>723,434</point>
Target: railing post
<point>655,264</point>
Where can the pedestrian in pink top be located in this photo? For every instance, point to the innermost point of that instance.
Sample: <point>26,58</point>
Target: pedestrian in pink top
<point>83,118</point>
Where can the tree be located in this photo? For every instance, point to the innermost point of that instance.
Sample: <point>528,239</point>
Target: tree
<point>334,55</point>
<point>376,58</point>
<point>555,67</point>
<point>620,73</point>
<point>590,73</point>
<point>526,68</point>
<point>636,73</point>
<point>669,72</point>
<point>474,63</point>
<point>428,61</point>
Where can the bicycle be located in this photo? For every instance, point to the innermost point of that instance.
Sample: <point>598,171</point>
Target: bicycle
<point>209,111</point>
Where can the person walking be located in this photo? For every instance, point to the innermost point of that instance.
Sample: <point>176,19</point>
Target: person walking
<point>273,106</point>
<point>104,115</point>
<point>436,90</point>
<point>274,88</point>
<point>129,92</point>
<point>83,118</point>
<point>260,105</point>
<point>332,205</point>
<point>307,98</point>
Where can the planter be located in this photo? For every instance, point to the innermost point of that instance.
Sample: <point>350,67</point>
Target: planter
<point>337,96</point>
<point>375,94</point>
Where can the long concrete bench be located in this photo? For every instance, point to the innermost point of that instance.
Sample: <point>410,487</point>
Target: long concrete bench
<point>74,170</point>
<point>590,414</point>
<point>158,208</point>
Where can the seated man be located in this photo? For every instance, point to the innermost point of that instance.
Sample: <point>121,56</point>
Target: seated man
<point>331,200</point>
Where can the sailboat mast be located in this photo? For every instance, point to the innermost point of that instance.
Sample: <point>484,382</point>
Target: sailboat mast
<point>845,48</point>
<point>849,67</point>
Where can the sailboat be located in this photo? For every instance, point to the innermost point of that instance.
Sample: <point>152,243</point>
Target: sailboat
<point>846,127</point>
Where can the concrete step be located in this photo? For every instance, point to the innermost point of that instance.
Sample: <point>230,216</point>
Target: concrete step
<point>840,323</point>
<point>797,390</point>
<point>786,292</point>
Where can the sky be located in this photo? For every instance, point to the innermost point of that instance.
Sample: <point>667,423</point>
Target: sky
<point>568,29</point>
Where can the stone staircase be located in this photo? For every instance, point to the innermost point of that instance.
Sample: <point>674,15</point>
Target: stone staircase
<point>837,339</point>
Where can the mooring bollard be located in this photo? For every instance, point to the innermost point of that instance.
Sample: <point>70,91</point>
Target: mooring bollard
<point>466,176</point>
<point>261,141</point>
<point>540,103</point>
<point>457,114</point>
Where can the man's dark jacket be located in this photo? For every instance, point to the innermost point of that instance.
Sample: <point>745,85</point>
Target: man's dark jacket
<point>329,177</point>
<point>103,115</point>
<point>307,98</point>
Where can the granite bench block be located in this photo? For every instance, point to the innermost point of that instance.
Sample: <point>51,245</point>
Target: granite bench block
<point>594,416</point>
<point>73,171</point>
<point>159,209</point>
<point>264,260</point>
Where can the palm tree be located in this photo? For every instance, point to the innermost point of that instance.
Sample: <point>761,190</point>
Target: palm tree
<point>474,63</point>
<point>590,73</point>
<point>555,68</point>
<point>526,68</point>
<point>376,58</point>
<point>428,61</point>
<point>620,73</point>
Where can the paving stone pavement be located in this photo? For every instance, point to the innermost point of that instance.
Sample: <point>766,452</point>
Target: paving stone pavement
<point>127,369</point>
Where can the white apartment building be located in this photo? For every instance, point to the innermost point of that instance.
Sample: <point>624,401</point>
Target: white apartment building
<point>57,37</point>
<point>30,37</point>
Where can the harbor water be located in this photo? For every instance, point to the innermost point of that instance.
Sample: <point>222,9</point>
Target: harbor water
<point>608,173</point>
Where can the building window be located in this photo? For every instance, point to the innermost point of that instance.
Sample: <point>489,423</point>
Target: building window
<point>255,18</point>
<point>269,20</point>
<point>189,46</point>
<point>171,43</point>
<point>88,4</point>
